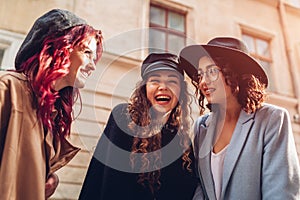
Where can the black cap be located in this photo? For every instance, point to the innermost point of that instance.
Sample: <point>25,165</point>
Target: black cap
<point>55,20</point>
<point>160,61</point>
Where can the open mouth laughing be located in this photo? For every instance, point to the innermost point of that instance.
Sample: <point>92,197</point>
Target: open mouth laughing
<point>85,73</point>
<point>163,99</point>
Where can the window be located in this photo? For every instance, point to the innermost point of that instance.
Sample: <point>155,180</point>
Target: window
<point>167,30</point>
<point>9,45</point>
<point>260,49</point>
<point>295,3</point>
<point>1,55</point>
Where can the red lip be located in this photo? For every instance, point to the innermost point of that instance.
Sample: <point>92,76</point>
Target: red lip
<point>163,99</point>
<point>86,73</point>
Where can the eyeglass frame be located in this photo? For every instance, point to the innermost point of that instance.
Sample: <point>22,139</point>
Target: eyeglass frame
<point>213,67</point>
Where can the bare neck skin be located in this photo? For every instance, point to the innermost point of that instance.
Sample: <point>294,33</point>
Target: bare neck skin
<point>227,124</point>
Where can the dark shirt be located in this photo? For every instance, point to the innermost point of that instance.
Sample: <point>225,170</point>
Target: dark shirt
<point>104,182</point>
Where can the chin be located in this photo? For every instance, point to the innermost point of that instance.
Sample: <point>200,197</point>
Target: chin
<point>160,110</point>
<point>79,84</point>
<point>209,100</point>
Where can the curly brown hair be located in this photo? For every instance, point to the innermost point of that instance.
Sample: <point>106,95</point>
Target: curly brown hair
<point>140,113</point>
<point>249,90</point>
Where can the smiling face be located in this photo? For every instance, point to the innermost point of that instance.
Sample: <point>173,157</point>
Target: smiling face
<point>163,90</point>
<point>82,64</point>
<point>212,84</point>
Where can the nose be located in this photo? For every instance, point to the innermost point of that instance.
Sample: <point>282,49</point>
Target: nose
<point>162,86</point>
<point>204,82</point>
<point>91,66</point>
<point>205,79</point>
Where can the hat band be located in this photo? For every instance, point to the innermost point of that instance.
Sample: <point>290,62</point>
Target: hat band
<point>166,65</point>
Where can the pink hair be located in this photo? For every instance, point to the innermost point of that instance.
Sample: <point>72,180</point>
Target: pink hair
<point>51,63</point>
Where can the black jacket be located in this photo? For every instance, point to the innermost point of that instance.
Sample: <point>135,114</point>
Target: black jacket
<point>110,176</point>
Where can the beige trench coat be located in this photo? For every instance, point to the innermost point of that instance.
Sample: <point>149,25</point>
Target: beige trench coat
<point>27,155</point>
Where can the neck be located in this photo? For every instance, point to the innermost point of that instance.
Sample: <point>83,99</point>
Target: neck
<point>162,117</point>
<point>231,110</point>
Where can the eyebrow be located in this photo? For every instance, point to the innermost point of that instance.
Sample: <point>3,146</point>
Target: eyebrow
<point>86,47</point>
<point>174,76</point>
<point>208,66</point>
<point>158,75</point>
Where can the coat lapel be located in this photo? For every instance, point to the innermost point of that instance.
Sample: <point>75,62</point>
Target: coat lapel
<point>205,155</point>
<point>204,165</point>
<point>238,140</point>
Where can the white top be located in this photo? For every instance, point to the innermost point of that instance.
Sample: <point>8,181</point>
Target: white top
<point>217,164</point>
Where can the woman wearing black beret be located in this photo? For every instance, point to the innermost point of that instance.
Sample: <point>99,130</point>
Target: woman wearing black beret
<point>145,150</point>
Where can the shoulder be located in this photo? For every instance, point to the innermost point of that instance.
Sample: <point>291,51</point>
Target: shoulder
<point>120,112</point>
<point>203,120</point>
<point>270,109</point>
<point>119,116</point>
<point>10,75</point>
<point>16,83</point>
<point>13,88</point>
<point>120,108</point>
<point>116,129</point>
<point>272,117</point>
<point>12,79</point>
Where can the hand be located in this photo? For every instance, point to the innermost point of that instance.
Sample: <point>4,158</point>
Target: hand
<point>51,185</point>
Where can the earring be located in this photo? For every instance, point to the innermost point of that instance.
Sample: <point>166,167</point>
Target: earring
<point>236,90</point>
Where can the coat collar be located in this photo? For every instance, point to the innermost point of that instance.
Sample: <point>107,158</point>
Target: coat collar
<point>205,154</point>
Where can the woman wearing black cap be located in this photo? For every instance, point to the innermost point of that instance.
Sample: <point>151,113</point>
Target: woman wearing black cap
<point>244,147</point>
<point>145,150</point>
<point>55,59</point>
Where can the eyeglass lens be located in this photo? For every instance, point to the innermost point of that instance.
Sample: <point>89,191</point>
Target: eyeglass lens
<point>212,74</point>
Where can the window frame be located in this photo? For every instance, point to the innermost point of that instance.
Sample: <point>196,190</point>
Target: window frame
<point>259,57</point>
<point>294,3</point>
<point>10,42</point>
<point>165,29</point>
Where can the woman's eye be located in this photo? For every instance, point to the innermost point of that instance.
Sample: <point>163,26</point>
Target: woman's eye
<point>214,71</point>
<point>88,52</point>
<point>154,80</point>
<point>173,81</point>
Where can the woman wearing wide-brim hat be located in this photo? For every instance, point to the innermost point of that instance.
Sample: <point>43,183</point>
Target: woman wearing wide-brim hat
<point>244,147</point>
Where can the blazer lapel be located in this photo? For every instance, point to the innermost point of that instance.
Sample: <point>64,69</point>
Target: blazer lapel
<point>204,165</point>
<point>205,155</point>
<point>238,140</point>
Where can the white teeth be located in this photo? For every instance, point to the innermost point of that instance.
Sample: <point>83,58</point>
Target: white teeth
<point>85,74</point>
<point>162,98</point>
<point>209,90</point>
<point>166,97</point>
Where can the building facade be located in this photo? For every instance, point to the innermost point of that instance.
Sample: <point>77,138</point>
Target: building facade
<point>133,28</point>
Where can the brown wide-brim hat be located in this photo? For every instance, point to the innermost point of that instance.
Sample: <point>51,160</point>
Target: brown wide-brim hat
<point>233,50</point>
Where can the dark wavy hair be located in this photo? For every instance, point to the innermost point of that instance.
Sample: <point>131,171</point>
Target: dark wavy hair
<point>248,89</point>
<point>51,63</point>
<point>140,113</point>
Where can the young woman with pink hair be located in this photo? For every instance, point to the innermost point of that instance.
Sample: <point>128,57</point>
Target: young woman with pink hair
<point>57,56</point>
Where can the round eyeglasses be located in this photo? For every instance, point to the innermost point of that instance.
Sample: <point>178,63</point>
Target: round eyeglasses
<point>211,74</point>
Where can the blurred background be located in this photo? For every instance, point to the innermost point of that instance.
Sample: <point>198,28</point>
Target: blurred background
<point>134,28</point>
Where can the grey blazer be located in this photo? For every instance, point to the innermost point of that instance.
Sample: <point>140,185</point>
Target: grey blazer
<point>261,160</point>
